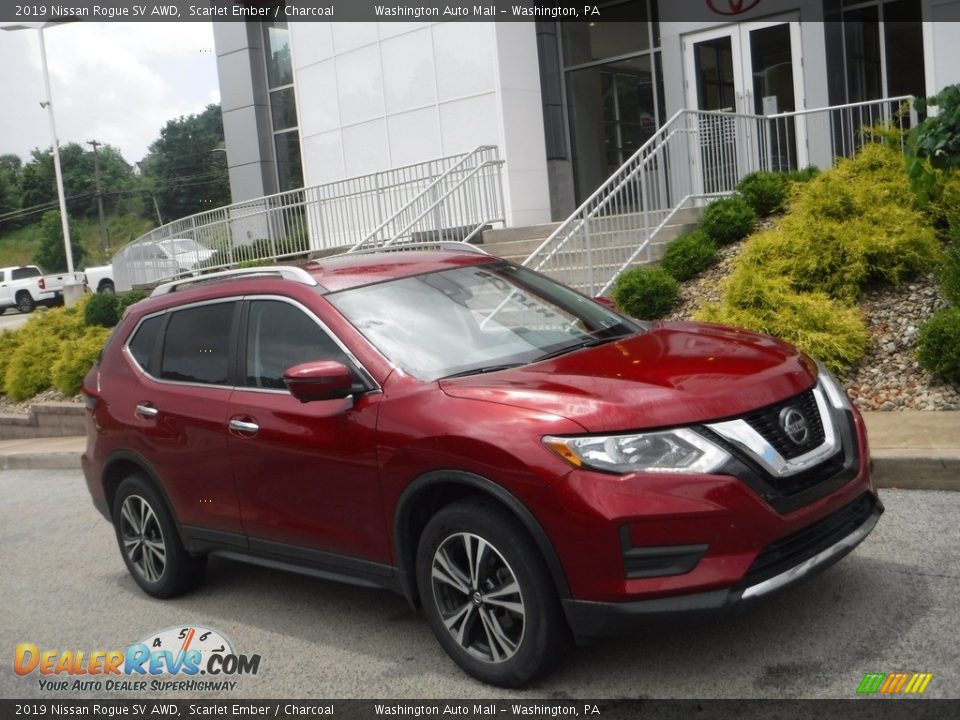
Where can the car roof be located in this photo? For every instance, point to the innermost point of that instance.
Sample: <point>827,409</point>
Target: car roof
<point>342,272</point>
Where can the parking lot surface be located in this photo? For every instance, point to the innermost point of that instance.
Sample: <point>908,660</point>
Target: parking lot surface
<point>892,606</point>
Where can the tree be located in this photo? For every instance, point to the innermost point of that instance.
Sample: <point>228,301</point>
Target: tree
<point>38,183</point>
<point>184,168</point>
<point>51,255</point>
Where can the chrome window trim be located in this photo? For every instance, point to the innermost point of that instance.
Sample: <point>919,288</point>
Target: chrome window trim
<point>740,434</point>
<point>365,374</point>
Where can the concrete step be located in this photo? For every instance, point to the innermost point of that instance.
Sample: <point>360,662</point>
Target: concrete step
<point>528,232</point>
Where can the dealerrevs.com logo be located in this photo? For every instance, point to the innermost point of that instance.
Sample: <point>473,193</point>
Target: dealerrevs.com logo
<point>184,658</point>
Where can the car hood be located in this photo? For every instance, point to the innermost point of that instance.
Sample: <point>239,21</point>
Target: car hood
<point>673,374</point>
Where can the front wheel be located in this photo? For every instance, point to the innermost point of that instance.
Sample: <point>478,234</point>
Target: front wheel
<point>25,303</point>
<point>149,542</point>
<point>488,595</point>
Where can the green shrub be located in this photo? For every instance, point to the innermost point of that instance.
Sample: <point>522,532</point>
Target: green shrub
<point>9,342</point>
<point>825,328</point>
<point>934,144</point>
<point>76,358</point>
<point>765,192</point>
<point>689,255</point>
<point>647,293</point>
<point>102,309</point>
<point>130,297</point>
<point>39,344</point>
<point>796,177</point>
<point>728,220</point>
<point>950,273</point>
<point>938,344</point>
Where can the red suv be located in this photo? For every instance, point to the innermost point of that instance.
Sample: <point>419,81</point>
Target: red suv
<point>522,462</point>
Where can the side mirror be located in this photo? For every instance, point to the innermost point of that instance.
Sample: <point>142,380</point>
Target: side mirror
<point>319,380</point>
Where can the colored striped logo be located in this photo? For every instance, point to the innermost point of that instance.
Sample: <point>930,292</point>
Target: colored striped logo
<point>895,683</point>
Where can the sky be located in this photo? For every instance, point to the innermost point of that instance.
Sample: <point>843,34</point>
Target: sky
<point>117,83</point>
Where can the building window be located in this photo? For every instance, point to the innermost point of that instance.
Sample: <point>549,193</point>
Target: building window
<point>614,89</point>
<point>283,105</point>
<point>883,49</point>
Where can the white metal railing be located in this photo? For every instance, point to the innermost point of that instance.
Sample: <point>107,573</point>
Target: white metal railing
<point>456,206</point>
<point>695,157</point>
<point>465,191</point>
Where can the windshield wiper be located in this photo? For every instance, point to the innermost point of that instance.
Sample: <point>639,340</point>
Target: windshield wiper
<point>579,345</point>
<point>481,370</point>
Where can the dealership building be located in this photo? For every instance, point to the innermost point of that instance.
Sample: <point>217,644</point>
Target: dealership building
<point>565,104</point>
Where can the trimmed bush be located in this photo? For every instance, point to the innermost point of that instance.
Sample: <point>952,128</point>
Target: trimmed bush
<point>796,177</point>
<point>689,255</point>
<point>647,293</point>
<point>76,358</point>
<point>938,344</point>
<point>825,328</point>
<point>131,297</point>
<point>950,273</point>
<point>765,192</point>
<point>102,309</point>
<point>728,220</point>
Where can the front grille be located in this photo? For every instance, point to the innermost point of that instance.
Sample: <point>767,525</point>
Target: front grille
<point>793,484</point>
<point>791,550</point>
<point>766,421</point>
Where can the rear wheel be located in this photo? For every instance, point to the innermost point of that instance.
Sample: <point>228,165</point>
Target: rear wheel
<point>149,542</point>
<point>488,595</point>
<point>25,302</point>
<point>106,286</point>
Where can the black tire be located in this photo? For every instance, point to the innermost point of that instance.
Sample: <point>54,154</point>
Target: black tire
<point>106,286</point>
<point>530,636</point>
<point>140,513</point>
<point>25,302</point>
<point>3,310</point>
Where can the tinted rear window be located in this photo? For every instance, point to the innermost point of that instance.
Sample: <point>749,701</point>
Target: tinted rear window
<point>144,340</point>
<point>196,347</point>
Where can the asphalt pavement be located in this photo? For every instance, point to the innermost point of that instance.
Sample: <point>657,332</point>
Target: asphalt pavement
<point>891,606</point>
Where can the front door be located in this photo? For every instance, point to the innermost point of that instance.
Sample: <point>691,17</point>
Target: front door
<point>749,69</point>
<point>306,473</point>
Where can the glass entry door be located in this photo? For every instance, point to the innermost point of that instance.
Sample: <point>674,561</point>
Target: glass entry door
<point>749,69</point>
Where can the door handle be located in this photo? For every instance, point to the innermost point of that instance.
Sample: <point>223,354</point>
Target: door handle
<point>146,410</point>
<point>244,426</point>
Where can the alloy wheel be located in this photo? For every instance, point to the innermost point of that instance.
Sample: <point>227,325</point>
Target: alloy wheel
<point>478,596</point>
<point>142,538</point>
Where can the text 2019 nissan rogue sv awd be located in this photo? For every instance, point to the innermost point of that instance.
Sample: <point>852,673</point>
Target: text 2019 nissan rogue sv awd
<point>522,462</point>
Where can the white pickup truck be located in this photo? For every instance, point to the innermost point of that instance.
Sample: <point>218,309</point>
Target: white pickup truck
<point>100,279</point>
<point>24,287</point>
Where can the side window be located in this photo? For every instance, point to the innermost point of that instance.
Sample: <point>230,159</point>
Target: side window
<point>280,336</point>
<point>142,344</point>
<point>25,272</point>
<point>196,346</point>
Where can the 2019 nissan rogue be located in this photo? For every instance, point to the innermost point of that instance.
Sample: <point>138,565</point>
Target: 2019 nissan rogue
<point>522,462</point>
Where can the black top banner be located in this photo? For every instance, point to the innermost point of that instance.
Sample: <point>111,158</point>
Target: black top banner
<point>17,11</point>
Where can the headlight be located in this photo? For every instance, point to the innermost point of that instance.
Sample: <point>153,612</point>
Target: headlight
<point>670,451</point>
<point>831,386</point>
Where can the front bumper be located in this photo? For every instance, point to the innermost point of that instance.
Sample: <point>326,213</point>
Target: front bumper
<point>842,532</point>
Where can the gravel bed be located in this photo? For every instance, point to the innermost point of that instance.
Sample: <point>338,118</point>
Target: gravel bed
<point>7,406</point>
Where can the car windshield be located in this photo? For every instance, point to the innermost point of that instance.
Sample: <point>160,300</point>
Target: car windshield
<point>476,319</point>
<point>179,247</point>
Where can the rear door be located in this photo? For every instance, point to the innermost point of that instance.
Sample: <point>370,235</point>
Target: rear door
<point>182,408</point>
<point>306,472</point>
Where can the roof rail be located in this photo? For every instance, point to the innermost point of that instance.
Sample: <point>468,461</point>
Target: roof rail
<point>285,272</point>
<point>449,245</point>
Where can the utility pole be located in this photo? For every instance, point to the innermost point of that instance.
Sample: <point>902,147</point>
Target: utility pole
<point>96,173</point>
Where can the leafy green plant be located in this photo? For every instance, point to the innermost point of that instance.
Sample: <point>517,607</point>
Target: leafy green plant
<point>829,330</point>
<point>102,309</point>
<point>689,255</point>
<point>950,273</point>
<point>798,177</point>
<point>131,297</point>
<point>934,144</point>
<point>765,192</point>
<point>938,344</point>
<point>76,358</point>
<point>728,220</point>
<point>647,292</point>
